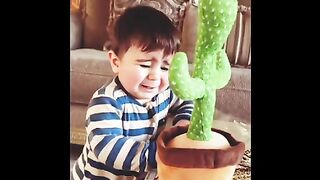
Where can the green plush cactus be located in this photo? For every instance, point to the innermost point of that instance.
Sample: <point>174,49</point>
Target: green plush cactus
<point>212,68</point>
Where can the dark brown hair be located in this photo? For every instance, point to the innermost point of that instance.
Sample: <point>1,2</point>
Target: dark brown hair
<point>144,27</point>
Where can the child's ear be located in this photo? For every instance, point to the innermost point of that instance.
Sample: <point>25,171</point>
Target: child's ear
<point>114,61</point>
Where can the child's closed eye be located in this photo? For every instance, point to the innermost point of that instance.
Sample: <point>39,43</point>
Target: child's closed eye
<point>148,66</point>
<point>164,68</point>
<point>145,66</point>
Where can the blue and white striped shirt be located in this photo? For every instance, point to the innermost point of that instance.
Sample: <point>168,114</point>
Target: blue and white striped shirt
<point>122,132</point>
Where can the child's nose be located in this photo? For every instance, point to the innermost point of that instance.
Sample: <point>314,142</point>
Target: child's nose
<point>154,74</point>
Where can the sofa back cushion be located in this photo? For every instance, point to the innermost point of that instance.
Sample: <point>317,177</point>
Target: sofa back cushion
<point>75,29</point>
<point>238,45</point>
<point>95,15</point>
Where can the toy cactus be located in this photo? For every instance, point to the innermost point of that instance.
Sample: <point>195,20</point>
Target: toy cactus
<point>212,67</point>
<point>210,153</point>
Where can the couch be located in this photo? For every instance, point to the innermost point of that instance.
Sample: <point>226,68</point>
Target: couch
<point>90,69</point>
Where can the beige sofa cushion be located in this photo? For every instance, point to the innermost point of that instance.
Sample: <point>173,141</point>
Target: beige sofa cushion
<point>235,98</point>
<point>89,70</point>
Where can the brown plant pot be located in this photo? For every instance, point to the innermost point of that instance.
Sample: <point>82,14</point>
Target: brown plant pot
<point>195,160</point>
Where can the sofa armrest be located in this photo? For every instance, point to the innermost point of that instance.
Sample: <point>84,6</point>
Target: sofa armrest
<point>76,28</point>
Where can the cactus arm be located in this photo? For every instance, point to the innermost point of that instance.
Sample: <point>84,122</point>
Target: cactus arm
<point>184,86</point>
<point>216,18</point>
<point>222,72</point>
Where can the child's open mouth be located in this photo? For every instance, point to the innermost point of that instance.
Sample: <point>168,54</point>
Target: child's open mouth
<point>147,87</point>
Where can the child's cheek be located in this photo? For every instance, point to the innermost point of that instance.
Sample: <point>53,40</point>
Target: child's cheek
<point>164,82</point>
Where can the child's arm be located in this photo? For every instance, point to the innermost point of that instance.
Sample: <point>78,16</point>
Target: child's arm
<point>108,145</point>
<point>181,110</point>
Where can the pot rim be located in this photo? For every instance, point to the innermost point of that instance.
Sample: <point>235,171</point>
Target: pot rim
<point>198,158</point>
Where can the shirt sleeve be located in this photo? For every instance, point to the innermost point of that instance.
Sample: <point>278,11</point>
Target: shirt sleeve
<point>105,137</point>
<point>180,109</point>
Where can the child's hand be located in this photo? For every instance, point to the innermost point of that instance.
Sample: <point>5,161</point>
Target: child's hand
<point>182,122</point>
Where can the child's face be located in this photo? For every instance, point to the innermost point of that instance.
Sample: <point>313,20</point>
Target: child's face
<point>144,74</point>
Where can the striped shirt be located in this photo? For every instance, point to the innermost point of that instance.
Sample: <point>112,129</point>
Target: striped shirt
<point>122,132</point>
